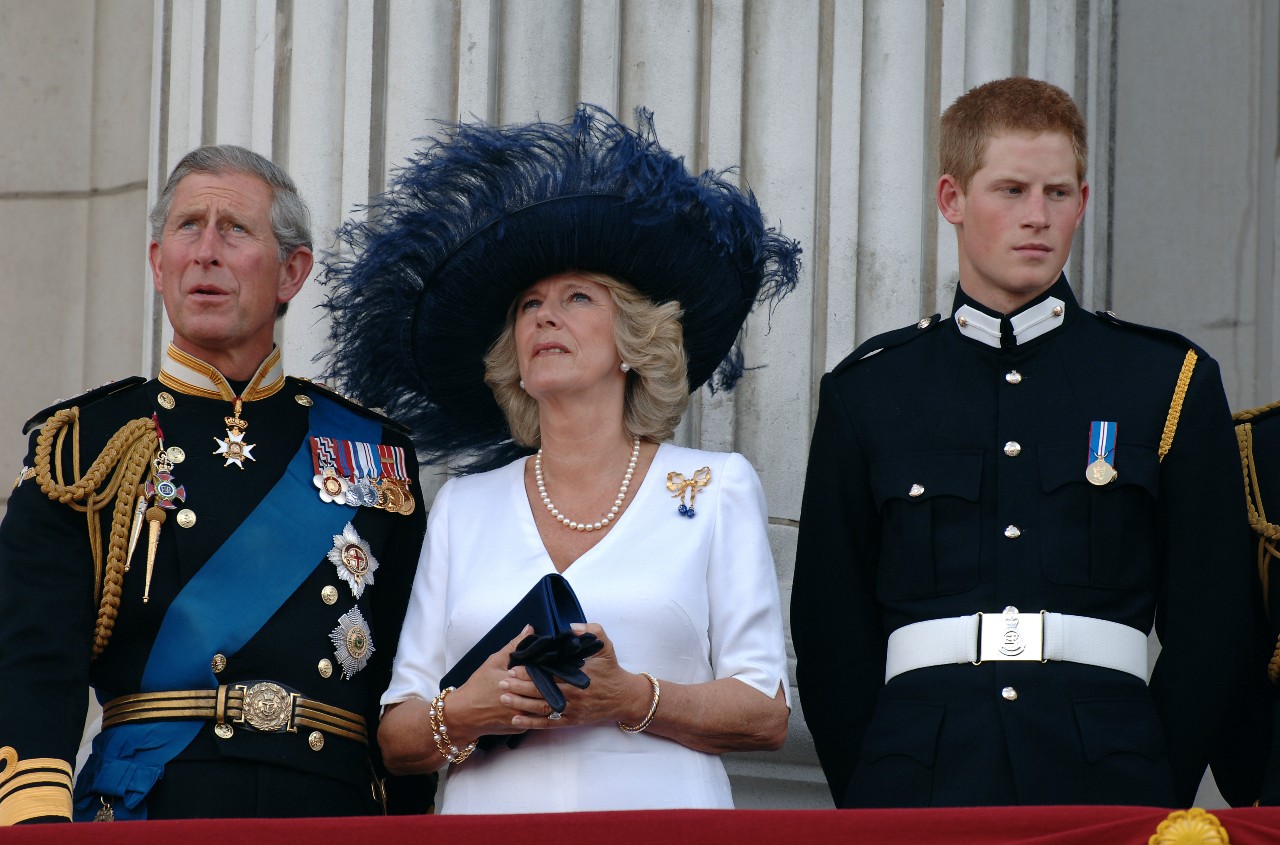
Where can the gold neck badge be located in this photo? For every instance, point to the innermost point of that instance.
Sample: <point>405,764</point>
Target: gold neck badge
<point>188,374</point>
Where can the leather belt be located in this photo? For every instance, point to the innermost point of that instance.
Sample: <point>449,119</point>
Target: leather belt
<point>257,705</point>
<point>1011,635</point>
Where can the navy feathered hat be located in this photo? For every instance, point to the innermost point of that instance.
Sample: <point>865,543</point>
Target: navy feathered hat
<point>421,289</point>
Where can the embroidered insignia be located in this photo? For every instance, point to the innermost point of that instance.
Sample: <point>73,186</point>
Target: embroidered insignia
<point>352,644</point>
<point>681,487</point>
<point>353,559</point>
<point>23,474</point>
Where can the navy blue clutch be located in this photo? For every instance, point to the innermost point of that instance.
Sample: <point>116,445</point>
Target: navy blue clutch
<point>552,651</point>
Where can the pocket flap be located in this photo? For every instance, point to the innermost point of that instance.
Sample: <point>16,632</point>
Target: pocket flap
<point>1118,725</point>
<point>927,475</point>
<point>1135,464</point>
<point>904,727</point>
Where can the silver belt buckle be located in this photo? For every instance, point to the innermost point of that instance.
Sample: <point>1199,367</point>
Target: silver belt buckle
<point>1010,636</point>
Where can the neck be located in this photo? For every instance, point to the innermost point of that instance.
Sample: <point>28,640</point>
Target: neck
<point>1002,301</point>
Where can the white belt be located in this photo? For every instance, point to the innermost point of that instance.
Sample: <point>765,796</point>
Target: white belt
<point>1011,635</point>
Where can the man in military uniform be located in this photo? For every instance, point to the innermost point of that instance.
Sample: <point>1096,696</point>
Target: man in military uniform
<point>1248,767</point>
<point>223,553</point>
<point>1028,487</point>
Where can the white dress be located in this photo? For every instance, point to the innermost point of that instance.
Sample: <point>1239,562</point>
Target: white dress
<point>688,600</point>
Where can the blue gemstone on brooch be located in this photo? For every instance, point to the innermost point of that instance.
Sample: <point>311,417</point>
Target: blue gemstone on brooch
<point>683,510</point>
<point>689,513</point>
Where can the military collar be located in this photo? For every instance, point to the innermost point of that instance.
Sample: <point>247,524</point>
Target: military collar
<point>188,374</point>
<point>1042,315</point>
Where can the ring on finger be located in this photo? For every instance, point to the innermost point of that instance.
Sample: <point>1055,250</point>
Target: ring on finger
<point>553,716</point>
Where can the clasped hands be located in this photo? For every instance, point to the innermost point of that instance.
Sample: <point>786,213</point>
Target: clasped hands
<point>506,701</point>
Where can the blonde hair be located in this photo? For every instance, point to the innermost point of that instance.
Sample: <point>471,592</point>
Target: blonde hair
<point>649,338</point>
<point>1016,104</point>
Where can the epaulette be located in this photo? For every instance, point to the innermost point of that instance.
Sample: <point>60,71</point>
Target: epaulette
<point>82,400</point>
<point>348,402</point>
<point>888,340</point>
<point>1173,337</point>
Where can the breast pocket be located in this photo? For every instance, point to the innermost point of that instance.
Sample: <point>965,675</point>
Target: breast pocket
<point>1099,536</point>
<point>930,529</point>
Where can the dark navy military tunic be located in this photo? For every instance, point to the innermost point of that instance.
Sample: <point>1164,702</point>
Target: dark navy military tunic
<point>997,437</point>
<point>47,612</point>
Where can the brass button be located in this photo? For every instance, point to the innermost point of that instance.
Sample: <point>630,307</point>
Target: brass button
<point>1057,311</point>
<point>1012,532</point>
<point>329,594</point>
<point>1009,694</point>
<point>316,740</point>
<point>218,663</point>
<point>325,668</point>
<point>166,400</point>
<point>223,731</point>
<point>175,454</point>
<point>1013,377</point>
<point>915,491</point>
<point>304,400</point>
<point>961,322</point>
<point>1013,448</point>
<point>924,323</point>
<point>186,518</point>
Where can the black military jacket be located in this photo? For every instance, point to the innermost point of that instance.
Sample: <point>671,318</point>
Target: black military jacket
<point>998,439</point>
<point>47,609</point>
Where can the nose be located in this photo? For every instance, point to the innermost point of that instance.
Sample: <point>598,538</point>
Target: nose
<point>207,248</point>
<point>548,315</point>
<point>1036,211</point>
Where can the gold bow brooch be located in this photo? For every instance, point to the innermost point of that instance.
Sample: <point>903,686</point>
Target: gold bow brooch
<point>681,487</point>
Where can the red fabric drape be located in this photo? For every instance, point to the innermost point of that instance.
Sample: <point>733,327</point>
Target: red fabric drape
<point>959,826</point>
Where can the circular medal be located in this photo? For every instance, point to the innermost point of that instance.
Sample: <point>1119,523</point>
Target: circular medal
<point>1100,473</point>
<point>175,454</point>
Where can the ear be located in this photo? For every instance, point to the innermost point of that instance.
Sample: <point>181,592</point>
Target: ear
<point>293,272</point>
<point>950,199</point>
<point>1084,201</point>
<point>153,258</point>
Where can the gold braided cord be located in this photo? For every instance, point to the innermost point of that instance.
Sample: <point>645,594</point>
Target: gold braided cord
<point>115,475</point>
<point>1175,407</point>
<point>1254,413</point>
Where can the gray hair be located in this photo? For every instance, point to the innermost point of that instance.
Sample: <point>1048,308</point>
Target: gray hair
<point>290,220</point>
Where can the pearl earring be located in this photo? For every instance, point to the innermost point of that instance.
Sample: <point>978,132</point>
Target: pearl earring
<point>625,367</point>
<point>522,384</point>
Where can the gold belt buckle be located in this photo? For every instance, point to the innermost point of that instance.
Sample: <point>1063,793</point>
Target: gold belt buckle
<point>268,707</point>
<point>1010,635</point>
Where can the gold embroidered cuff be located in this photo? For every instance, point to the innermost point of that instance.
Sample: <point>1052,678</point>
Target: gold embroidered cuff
<point>33,788</point>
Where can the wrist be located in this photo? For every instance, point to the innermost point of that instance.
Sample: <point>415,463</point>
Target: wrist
<point>648,706</point>
<point>454,749</point>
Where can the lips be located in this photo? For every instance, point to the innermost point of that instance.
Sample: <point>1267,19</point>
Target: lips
<point>549,348</point>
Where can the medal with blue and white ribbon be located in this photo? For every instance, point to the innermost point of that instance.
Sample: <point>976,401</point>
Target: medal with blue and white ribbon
<point>1101,467</point>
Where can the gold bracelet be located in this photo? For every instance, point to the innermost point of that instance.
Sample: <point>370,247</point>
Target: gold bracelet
<point>653,708</point>
<point>440,733</point>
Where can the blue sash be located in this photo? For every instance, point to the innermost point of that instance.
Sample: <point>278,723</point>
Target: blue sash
<point>292,528</point>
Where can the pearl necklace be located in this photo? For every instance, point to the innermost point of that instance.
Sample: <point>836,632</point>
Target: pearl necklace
<point>613,511</point>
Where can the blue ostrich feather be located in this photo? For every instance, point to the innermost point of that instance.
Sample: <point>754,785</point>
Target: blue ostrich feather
<point>419,288</point>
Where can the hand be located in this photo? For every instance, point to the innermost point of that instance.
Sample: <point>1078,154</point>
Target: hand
<point>474,709</point>
<point>613,695</point>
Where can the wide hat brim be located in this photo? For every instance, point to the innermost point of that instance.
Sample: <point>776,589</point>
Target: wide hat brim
<point>429,281</point>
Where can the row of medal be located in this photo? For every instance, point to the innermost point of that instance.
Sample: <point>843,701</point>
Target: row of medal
<point>356,474</point>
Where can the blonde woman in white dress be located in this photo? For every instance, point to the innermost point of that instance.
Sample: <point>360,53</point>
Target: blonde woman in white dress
<point>565,287</point>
